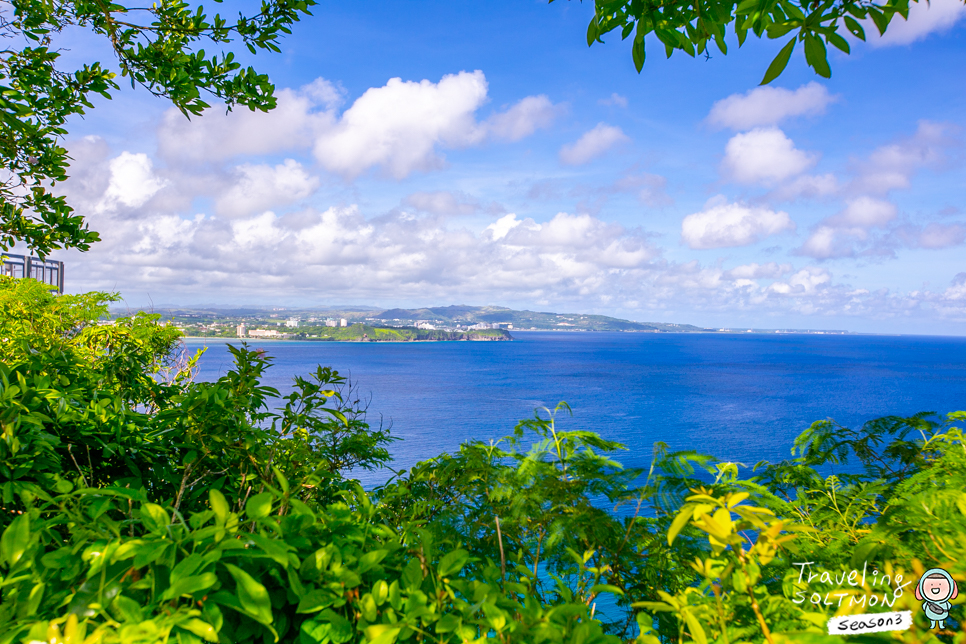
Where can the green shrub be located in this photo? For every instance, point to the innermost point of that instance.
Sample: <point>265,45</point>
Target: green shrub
<point>141,506</point>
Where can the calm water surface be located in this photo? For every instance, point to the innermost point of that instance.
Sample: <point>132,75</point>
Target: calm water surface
<point>740,398</point>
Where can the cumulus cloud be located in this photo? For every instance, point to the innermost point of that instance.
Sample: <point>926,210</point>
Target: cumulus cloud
<point>932,236</point>
<point>400,128</point>
<point>132,181</point>
<point>393,255</point>
<point>399,125</point>
<point>261,187</point>
<point>340,254</point>
<point>292,125</point>
<point>925,18</point>
<point>756,271</point>
<point>842,234</point>
<point>892,166</point>
<point>724,225</point>
<point>523,119</point>
<point>805,282</point>
<point>765,106</point>
<point>935,236</point>
<point>592,144</point>
<point>764,155</point>
<point>807,186</point>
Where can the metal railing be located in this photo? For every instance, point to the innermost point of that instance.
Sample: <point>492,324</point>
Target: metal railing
<point>48,271</point>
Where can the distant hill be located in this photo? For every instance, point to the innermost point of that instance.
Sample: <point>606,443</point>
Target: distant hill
<point>524,320</point>
<point>441,317</point>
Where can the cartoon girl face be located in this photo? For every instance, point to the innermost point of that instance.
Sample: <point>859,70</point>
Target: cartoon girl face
<point>936,588</point>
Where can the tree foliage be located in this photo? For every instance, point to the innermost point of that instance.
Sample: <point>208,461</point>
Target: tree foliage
<point>158,47</point>
<point>692,27</point>
<point>140,506</point>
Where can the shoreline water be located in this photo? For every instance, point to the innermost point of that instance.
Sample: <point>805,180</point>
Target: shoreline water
<point>749,395</point>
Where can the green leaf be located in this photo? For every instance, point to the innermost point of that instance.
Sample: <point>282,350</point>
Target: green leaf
<point>219,506</point>
<point>340,629</point>
<point>154,518</point>
<point>605,588</point>
<point>315,632</point>
<point>778,65</point>
<point>150,552</point>
<point>453,562</point>
<point>382,633</point>
<point>592,31</point>
<point>817,56</point>
<point>853,26</point>
<point>637,51</point>
<point>694,626</point>
<point>259,506</point>
<point>128,609</point>
<point>315,601</point>
<point>15,540</point>
<point>839,42</point>
<point>190,585</point>
<point>370,559</point>
<point>677,525</point>
<point>380,591</point>
<point>202,629</point>
<point>251,595</point>
<point>880,20</point>
<point>448,623</point>
<point>412,576</point>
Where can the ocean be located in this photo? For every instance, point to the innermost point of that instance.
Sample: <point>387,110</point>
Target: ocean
<point>739,397</point>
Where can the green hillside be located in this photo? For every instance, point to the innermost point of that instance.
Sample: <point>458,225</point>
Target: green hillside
<point>538,320</point>
<point>364,332</point>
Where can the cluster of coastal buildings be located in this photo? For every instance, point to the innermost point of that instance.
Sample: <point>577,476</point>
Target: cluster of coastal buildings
<point>293,323</point>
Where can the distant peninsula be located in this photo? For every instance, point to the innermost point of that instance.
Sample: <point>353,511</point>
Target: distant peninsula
<point>434,324</point>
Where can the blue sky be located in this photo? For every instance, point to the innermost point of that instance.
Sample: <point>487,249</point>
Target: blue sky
<point>437,153</point>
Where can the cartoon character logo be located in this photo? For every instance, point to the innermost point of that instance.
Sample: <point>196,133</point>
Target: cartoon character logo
<point>935,589</point>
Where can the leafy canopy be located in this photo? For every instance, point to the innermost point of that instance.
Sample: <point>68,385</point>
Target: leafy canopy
<point>157,47</point>
<point>692,25</point>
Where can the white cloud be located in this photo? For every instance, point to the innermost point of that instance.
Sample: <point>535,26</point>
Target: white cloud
<point>764,155</point>
<point>523,119</point>
<point>132,182</point>
<point>756,271</point>
<point>723,225</point>
<point>934,16</point>
<point>215,136</point>
<point>592,144</point>
<point>890,167</point>
<point>398,126</point>
<point>847,233</point>
<point>344,254</point>
<point>260,187</point>
<point>614,99</point>
<point>805,282</point>
<point>769,106</point>
<point>807,186</point>
<point>499,228</point>
<point>864,212</point>
<point>936,236</point>
<point>932,236</point>
<point>340,255</point>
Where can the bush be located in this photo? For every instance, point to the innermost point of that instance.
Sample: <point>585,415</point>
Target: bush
<point>141,506</point>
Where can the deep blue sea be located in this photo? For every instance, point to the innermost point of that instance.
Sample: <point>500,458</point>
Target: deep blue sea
<point>740,397</point>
